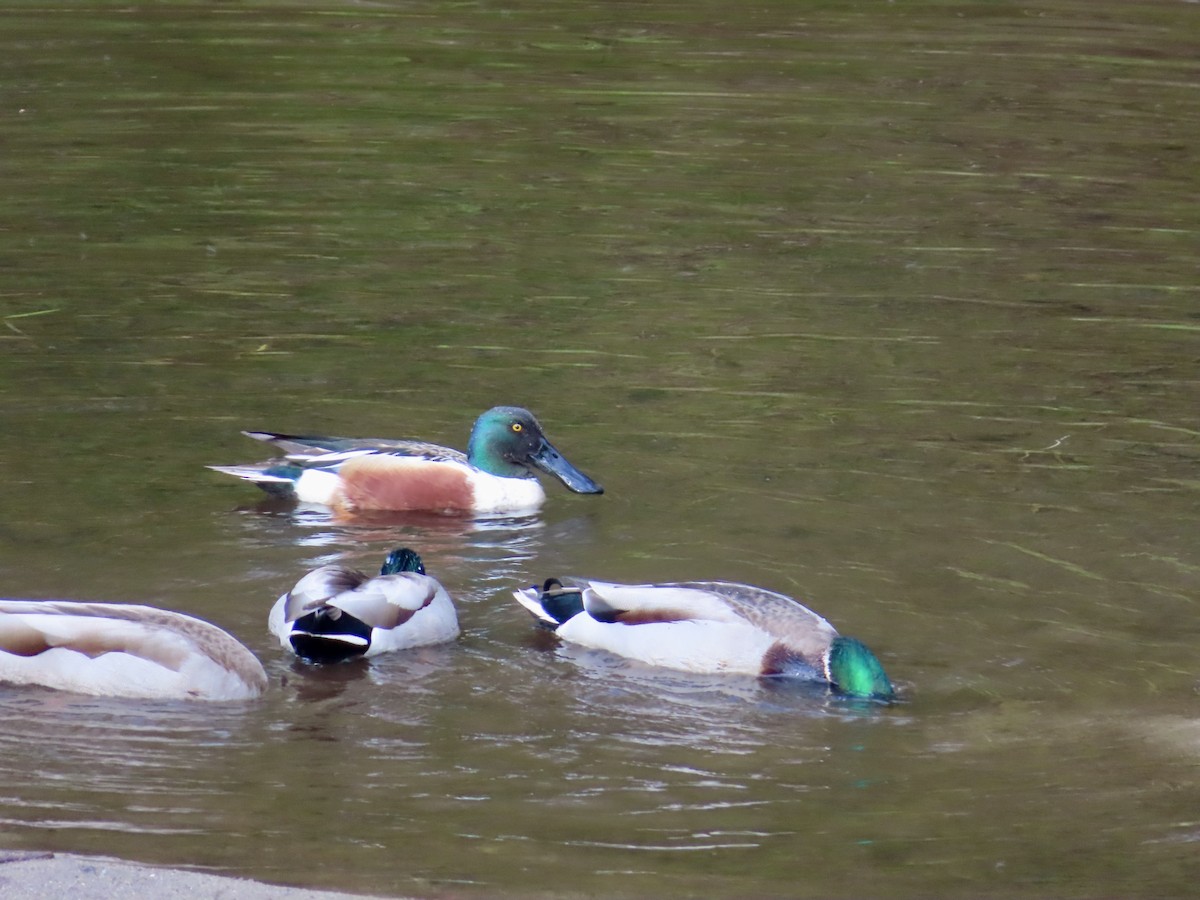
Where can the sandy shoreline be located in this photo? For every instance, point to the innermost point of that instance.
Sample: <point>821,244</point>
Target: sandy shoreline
<point>26,875</point>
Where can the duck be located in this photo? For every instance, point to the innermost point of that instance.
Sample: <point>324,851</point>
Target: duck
<point>337,613</point>
<point>352,475</point>
<point>123,650</point>
<point>708,626</point>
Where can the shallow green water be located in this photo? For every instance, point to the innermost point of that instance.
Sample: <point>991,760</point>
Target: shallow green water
<point>891,307</point>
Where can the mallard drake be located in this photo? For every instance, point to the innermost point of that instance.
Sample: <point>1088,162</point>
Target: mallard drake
<point>122,650</point>
<point>336,613</point>
<point>707,626</point>
<point>364,474</point>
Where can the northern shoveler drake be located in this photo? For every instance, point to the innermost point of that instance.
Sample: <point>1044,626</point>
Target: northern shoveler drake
<point>363,474</point>
<point>336,613</point>
<point>122,650</point>
<point>707,626</point>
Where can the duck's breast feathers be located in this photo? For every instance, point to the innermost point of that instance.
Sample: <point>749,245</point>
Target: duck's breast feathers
<point>196,654</point>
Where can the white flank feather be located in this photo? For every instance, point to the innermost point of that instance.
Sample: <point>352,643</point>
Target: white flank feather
<point>689,646</point>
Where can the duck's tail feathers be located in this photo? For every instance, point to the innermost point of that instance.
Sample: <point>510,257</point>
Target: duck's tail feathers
<point>277,481</point>
<point>253,473</point>
<point>294,444</point>
<point>328,635</point>
<point>552,604</point>
<point>530,598</point>
<point>324,648</point>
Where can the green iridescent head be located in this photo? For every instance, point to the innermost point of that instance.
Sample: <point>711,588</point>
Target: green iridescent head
<point>508,441</point>
<point>402,560</point>
<point>854,670</point>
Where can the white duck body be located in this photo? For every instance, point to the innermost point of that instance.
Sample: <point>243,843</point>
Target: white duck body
<point>695,626</point>
<point>123,650</point>
<point>709,626</point>
<point>335,613</point>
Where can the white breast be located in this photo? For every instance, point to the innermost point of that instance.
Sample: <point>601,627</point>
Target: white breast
<point>318,486</point>
<point>494,494</point>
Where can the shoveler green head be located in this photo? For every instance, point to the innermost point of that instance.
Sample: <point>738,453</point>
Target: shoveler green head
<point>853,669</point>
<point>508,441</point>
<point>402,560</point>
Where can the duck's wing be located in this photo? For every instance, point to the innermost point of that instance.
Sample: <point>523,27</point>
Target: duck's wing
<point>633,604</point>
<point>388,601</point>
<point>781,616</point>
<point>787,620</point>
<point>318,588</point>
<point>325,452</point>
<point>28,628</point>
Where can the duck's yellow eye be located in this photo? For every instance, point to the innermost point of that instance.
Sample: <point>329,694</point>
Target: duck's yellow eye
<point>516,426</point>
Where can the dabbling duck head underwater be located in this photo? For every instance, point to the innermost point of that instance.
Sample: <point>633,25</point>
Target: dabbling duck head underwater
<point>711,626</point>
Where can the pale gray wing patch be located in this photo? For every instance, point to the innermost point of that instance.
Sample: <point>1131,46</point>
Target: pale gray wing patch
<point>318,587</point>
<point>645,603</point>
<point>388,601</point>
<point>319,456</point>
<point>791,622</point>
